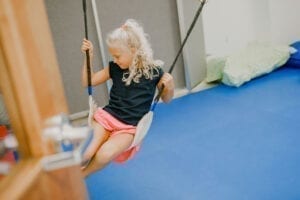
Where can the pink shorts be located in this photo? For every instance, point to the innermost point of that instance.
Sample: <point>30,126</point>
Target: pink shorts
<point>115,127</point>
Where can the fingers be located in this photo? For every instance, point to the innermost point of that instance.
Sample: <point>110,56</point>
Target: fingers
<point>167,80</point>
<point>86,45</point>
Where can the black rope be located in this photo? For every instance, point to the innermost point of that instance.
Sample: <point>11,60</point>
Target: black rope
<point>89,78</point>
<point>180,50</point>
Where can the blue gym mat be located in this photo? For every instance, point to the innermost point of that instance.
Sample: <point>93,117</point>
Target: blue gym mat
<point>224,143</point>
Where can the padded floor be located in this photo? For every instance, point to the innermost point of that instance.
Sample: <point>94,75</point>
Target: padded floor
<point>224,143</point>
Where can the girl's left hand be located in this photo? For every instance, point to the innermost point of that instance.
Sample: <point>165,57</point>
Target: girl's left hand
<point>168,91</point>
<point>167,81</point>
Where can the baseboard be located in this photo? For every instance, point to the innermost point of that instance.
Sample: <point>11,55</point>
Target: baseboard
<point>179,92</point>
<point>203,86</point>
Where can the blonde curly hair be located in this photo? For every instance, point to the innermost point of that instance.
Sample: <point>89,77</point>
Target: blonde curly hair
<point>132,35</point>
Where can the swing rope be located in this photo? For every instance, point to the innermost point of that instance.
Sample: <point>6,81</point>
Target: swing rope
<point>156,99</point>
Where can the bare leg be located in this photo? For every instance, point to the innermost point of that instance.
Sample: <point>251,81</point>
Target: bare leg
<point>99,137</point>
<point>108,151</point>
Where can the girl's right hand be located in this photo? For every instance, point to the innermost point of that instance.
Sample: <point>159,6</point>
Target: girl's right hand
<point>87,45</point>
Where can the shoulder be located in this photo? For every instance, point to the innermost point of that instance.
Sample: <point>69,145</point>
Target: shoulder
<point>113,65</point>
<point>158,71</point>
<point>114,68</point>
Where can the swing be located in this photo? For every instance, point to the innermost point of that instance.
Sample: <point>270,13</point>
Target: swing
<point>145,122</point>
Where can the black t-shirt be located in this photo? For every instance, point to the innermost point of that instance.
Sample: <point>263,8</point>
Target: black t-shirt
<point>129,103</point>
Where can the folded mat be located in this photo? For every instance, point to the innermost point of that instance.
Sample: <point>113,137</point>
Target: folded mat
<point>256,59</point>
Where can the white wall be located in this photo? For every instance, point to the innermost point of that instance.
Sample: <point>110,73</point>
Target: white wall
<point>285,23</point>
<point>229,25</point>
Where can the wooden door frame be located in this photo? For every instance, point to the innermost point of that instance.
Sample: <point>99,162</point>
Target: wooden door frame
<point>32,88</point>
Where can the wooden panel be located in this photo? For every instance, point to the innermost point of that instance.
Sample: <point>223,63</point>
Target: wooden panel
<point>63,185</point>
<point>11,106</point>
<point>28,181</point>
<point>32,89</point>
<point>20,179</point>
<point>31,66</point>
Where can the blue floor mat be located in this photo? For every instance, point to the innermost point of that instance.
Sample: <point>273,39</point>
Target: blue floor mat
<point>218,144</point>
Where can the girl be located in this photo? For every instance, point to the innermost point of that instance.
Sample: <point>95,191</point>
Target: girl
<point>135,76</point>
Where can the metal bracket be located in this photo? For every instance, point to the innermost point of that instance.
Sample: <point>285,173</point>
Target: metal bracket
<point>70,142</point>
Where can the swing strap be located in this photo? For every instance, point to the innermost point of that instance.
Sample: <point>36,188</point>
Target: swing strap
<point>156,99</point>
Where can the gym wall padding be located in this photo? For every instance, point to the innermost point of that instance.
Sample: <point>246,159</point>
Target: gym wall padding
<point>67,26</point>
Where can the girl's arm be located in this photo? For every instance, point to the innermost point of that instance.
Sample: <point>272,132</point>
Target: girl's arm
<point>168,82</point>
<point>96,77</point>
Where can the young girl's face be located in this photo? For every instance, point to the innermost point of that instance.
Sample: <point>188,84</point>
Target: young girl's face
<point>121,56</point>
